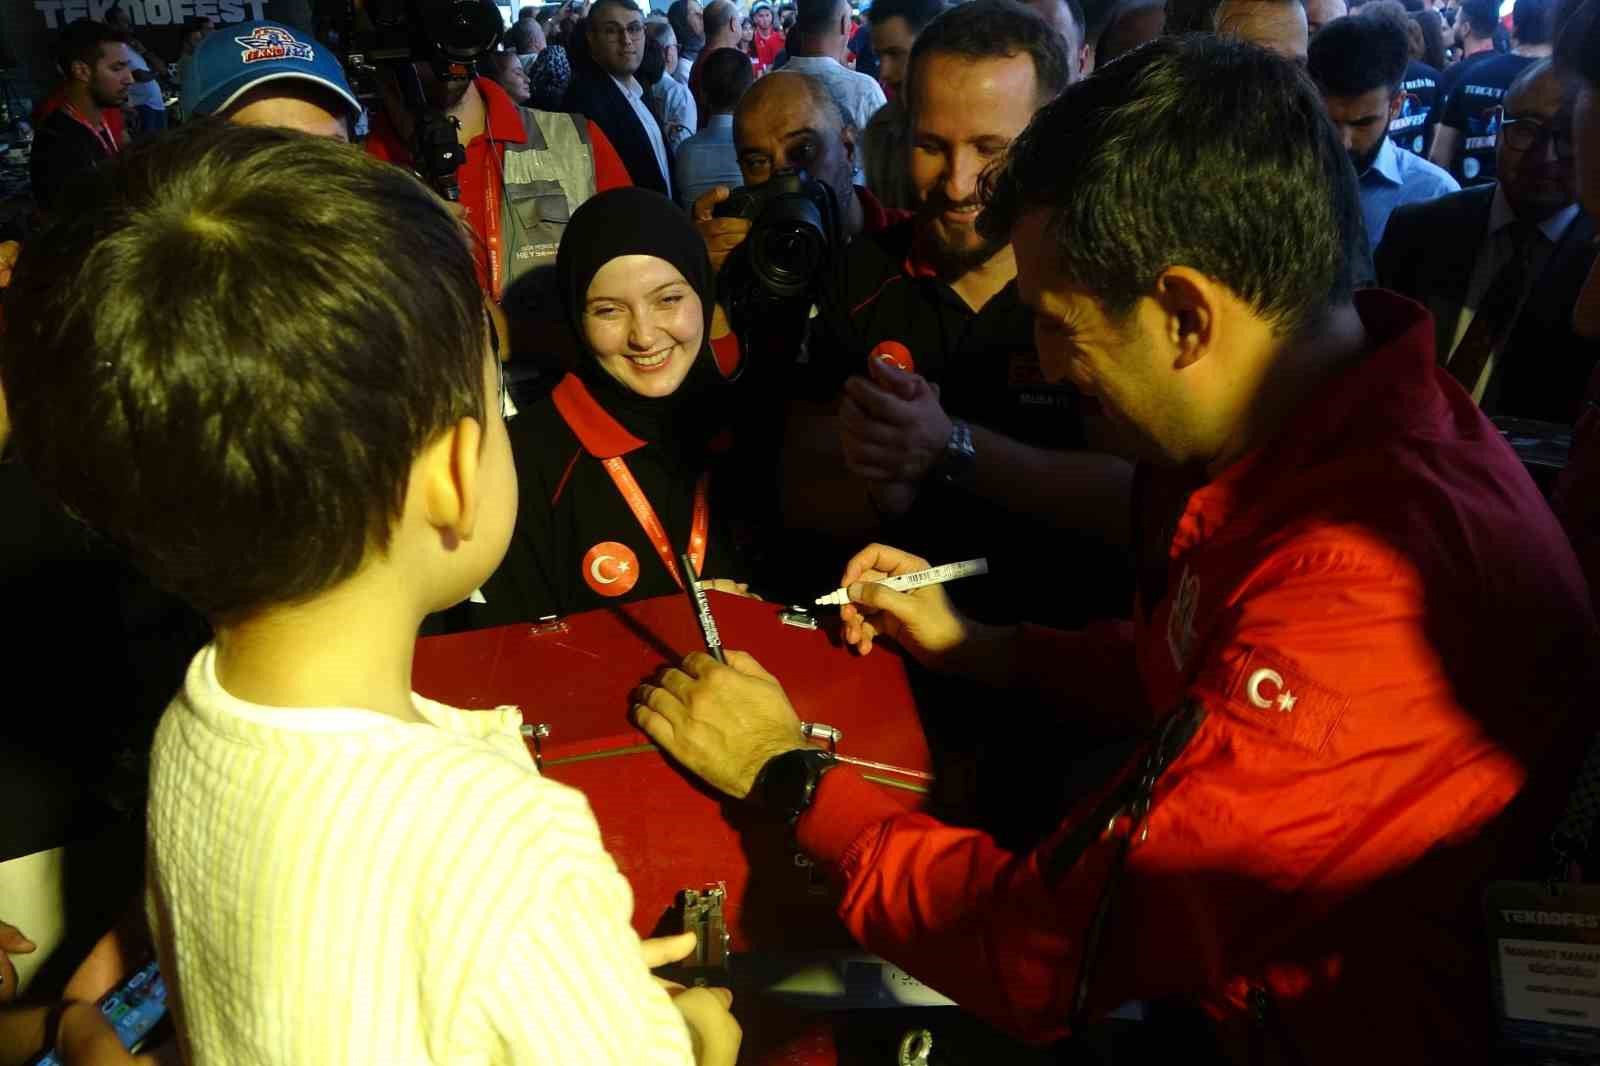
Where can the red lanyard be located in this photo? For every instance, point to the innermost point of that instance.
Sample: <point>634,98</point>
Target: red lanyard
<point>491,216</point>
<point>107,140</point>
<point>651,525</point>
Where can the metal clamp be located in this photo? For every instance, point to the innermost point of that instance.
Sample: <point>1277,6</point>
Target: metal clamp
<point>832,735</point>
<point>536,732</point>
<point>703,916</point>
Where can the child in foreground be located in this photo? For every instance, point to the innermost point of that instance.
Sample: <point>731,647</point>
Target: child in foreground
<point>262,365</point>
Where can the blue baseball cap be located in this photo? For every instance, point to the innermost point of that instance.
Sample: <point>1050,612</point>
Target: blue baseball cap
<point>236,58</point>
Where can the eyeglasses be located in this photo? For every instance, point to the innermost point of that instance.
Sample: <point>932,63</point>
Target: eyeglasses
<point>613,32</point>
<point>1525,134</point>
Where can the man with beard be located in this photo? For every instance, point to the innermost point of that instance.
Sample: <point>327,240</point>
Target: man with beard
<point>957,444</point>
<point>96,65</point>
<point>1359,64</point>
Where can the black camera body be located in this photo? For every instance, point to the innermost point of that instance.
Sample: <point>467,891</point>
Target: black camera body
<point>795,228</point>
<point>449,34</point>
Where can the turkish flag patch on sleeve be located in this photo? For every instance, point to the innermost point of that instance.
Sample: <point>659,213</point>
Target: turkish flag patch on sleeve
<point>1270,692</point>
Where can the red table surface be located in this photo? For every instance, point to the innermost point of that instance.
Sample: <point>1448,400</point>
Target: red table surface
<point>666,831</point>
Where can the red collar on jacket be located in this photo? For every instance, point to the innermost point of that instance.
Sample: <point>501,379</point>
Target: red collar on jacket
<point>601,435</point>
<point>1396,384</point>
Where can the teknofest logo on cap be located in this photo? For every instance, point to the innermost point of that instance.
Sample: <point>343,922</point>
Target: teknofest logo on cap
<point>266,43</point>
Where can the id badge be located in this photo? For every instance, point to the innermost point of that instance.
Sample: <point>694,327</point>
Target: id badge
<point>1544,943</point>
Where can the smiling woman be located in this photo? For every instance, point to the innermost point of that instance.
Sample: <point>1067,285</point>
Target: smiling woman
<point>615,465</point>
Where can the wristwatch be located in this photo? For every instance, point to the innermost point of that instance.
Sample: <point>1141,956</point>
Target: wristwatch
<point>787,783</point>
<point>954,466</point>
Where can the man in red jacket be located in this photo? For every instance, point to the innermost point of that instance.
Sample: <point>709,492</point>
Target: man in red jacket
<point>1359,633</point>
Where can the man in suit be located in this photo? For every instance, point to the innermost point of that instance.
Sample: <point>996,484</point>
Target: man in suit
<point>1500,266</point>
<point>605,90</point>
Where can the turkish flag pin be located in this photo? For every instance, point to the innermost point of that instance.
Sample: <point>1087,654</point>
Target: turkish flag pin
<point>611,569</point>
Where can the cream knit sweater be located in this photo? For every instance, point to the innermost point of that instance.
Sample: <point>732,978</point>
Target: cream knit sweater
<point>335,886</point>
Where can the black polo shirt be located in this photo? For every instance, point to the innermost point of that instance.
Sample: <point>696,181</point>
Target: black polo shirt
<point>988,371</point>
<point>984,361</point>
<point>1469,97</point>
<point>1412,129</point>
<point>63,148</point>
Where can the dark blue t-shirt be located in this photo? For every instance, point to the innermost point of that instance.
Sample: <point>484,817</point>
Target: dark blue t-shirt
<point>1474,96</point>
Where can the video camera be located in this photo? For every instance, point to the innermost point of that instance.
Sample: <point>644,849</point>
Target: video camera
<point>795,229</point>
<point>449,35</point>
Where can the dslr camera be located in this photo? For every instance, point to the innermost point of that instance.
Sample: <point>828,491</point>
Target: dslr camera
<point>795,227</point>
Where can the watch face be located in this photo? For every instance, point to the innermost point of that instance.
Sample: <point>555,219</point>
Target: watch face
<point>788,780</point>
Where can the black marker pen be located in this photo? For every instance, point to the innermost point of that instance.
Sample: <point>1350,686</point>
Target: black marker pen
<point>702,608</point>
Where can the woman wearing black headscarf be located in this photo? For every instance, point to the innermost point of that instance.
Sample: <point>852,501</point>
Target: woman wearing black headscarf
<point>616,465</point>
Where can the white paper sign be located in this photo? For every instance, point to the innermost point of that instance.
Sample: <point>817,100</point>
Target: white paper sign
<point>1551,981</point>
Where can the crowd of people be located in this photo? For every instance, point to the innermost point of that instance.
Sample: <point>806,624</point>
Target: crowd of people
<point>1192,319</point>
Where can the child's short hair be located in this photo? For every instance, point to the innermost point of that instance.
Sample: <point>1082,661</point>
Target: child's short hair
<point>229,357</point>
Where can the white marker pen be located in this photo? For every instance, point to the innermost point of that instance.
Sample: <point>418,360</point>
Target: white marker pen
<point>934,575</point>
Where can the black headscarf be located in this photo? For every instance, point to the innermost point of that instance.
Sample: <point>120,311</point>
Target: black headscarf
<point>632,221</point>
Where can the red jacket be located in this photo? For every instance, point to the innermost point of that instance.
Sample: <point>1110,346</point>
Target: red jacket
<point>1390,635</point>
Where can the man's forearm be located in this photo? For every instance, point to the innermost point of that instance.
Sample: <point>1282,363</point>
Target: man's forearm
<point>1446,139</point>
<point>1078,490</point>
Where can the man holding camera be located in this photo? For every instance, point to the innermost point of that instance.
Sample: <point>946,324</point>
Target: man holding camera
<point>513,154</point>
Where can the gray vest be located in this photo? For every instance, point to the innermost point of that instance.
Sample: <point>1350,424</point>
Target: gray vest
<point>545,180</point>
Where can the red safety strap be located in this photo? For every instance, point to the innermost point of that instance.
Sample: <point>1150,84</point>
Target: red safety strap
<point>698,528</point>
<point>102,132</point>
<point>491,216</point>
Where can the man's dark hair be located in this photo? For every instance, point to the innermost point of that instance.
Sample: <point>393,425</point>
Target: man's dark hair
<point>1354,55</point>
<point>717,16</point>
<point>728,74</point>
<point>917,13</point>
<point>81,41</point>
<point>626,5</point>
<point>253,442</point>
<point>1530,21</point>
<point>653,64</point>
<point>1482,17</point>
<point>1191,151</point>
<point>993,29</point>
<point>816,17</point>
<point>1114,19</point>
<point>1200,16</point>
<point>1578,47</point>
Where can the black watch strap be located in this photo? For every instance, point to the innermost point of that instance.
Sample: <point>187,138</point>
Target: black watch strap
<point>788,782</point>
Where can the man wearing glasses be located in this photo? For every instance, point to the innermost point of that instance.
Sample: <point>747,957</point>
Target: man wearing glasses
<point>1500,266</point>
<point>609,95</point>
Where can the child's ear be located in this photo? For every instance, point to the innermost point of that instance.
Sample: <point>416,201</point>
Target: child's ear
<point>449,479</point>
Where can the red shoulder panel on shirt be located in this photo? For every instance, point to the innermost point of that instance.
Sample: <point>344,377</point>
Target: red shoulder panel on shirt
<point>601,435</point>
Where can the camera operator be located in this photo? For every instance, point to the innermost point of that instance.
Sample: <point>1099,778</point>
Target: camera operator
<point>789,121</point>
<point>513,154</point>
